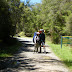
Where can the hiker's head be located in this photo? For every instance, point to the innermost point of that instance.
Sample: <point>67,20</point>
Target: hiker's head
<point>37,33</point>
<point>42,30</point>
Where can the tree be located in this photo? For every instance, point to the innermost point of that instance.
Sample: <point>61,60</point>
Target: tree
<point>68,27</point>
<point>15,14</point>
<point>5,20</point>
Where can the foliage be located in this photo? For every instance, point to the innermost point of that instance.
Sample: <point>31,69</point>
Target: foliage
<point>69,25</point>
<point>5,20</point>
<point>50,15</point>
<point>8,48</point>
<point>21,34</point>
<point>54,16</point>
<point>64,53</point>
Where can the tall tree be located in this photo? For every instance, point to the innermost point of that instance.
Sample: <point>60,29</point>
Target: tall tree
<point>5,20</point>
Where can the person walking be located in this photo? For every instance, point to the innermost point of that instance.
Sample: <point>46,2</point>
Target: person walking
<point>42,39</point>
<point>36,41</point>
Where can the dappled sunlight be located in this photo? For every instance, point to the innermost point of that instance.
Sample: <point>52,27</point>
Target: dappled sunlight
<point>26,60</point>
<point>51,20</point>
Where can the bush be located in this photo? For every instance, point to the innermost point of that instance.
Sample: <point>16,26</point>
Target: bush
<point>55,38</point>
<point>21,33</point>
<point>69,25</point>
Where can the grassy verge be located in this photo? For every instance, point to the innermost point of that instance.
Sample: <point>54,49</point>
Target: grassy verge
<point>64,53</point>
<point>9,47</point>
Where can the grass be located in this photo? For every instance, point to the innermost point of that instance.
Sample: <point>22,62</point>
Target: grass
<point>9,48</point>
<point>64,53</point>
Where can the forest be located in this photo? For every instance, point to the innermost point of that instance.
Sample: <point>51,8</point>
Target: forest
<point>54,16</point>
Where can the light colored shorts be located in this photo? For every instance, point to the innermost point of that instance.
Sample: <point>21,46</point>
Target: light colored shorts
<point>37,45</point>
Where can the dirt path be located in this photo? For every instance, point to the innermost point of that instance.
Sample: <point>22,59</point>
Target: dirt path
<point>28,61</point>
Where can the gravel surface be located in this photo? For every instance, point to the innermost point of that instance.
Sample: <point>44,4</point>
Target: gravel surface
<point>28,61</point>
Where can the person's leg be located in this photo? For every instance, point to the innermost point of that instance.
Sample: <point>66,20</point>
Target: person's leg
<point>44,49</point>
<point>34,47</point>
<point>37,48</point>
<point>44,46</point>
<point>40,47</point>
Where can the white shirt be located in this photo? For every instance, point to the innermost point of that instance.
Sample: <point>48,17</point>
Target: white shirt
<point>36,38</point>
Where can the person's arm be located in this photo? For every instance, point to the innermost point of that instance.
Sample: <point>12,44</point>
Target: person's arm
<point>44,38</point>
<point>35,39</point>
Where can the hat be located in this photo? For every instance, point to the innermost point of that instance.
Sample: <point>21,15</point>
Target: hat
<point>37,33</point>
<point>42,30</point>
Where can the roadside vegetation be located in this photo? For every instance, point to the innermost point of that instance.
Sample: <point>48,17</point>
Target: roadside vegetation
<point>64,53</point>
<point>54,16</point>
<point>9,47</point>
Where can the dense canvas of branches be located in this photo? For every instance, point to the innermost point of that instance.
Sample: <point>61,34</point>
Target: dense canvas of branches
<point>55,16</point>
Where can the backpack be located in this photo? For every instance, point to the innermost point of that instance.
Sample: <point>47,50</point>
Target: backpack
<point>34,36</point>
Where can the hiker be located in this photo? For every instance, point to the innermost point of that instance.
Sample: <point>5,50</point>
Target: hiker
<point>36,41</point>
<point>42,39</point>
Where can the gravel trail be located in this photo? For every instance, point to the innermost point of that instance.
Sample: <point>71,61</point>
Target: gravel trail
<point>28,61</point>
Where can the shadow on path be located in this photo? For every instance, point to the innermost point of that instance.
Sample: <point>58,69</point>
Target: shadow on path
<point>13,64</point>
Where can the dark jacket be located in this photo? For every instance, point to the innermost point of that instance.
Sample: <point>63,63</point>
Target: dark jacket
<point>42,37</point>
